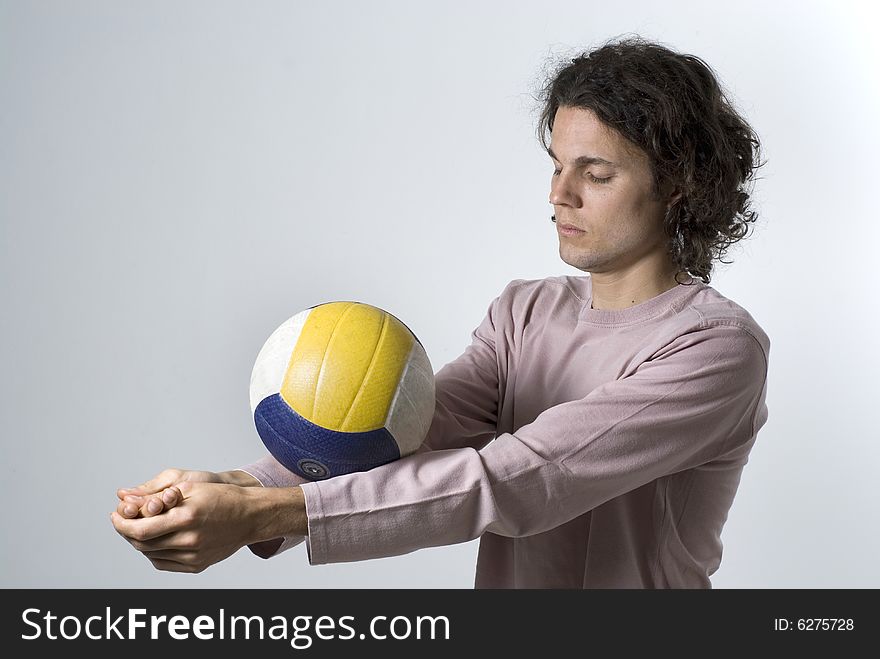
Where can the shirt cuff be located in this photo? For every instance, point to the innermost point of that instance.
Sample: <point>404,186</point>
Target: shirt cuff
<point>312,497</point>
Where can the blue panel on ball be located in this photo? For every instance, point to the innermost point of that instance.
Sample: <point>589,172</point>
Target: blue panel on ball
<point>314,452</point>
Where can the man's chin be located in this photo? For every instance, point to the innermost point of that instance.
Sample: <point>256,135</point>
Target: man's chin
<point>581,263</point>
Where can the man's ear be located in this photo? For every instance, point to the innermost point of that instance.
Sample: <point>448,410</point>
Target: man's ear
<point>672,193</point>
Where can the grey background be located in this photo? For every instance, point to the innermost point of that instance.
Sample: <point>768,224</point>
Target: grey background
<point>177,178</point>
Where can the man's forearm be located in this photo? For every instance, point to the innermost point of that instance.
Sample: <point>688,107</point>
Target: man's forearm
<point>239,477</point>
<point>278,512</point>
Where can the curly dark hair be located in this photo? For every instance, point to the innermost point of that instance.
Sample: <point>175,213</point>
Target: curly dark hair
<point>672,107</point>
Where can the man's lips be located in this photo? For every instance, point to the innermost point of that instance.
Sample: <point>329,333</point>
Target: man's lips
<point>568,227</point>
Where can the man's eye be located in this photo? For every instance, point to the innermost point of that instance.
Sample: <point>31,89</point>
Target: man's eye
<point>594,179</point>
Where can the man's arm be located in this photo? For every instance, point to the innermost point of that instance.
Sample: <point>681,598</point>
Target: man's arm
<point>270,473</point>
<point>692,402</point>
<point>465,413</point>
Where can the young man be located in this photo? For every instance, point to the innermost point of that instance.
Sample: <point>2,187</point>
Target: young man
<point>594,433</point>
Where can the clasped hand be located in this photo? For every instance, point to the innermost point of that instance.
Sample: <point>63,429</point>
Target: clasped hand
<point>185,521</point>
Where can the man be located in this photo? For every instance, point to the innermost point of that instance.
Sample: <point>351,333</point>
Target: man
<point>594,433</point>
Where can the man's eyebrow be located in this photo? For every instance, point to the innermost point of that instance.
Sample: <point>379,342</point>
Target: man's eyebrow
<point>585,160</point>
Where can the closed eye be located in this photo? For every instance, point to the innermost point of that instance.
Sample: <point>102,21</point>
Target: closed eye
<point>594,179</point>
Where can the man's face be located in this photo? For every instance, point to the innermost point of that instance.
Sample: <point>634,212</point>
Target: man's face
<point>619,220</point>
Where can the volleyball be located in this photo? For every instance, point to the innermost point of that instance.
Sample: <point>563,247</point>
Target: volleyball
<point>341,387</point>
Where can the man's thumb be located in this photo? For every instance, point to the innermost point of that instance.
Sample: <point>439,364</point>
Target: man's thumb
<point>157,484</point>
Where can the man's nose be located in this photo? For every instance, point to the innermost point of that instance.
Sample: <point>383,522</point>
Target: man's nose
<point>559,196</point>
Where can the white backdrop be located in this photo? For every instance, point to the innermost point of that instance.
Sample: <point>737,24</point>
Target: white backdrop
<point>177,178</point>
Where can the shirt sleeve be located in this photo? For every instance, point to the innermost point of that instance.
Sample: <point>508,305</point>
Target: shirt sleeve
<point>690,403</point>
<point>465,414</point>
<point>467,389</point>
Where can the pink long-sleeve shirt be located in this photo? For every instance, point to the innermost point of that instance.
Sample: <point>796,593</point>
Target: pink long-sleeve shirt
<point>586,448</point>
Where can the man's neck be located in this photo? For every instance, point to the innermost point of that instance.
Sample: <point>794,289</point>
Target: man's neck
<point>622,294</point>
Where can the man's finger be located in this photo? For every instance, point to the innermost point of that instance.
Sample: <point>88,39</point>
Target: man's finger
<point>132,506</point>
<point>172,566</point>
<point>184,556</point>
<point>167,566</point>
<point>152,486</point>
<point>146,528</point>
<point>172,496</point>
<point>139,490</point>
<point>128,509</point>
<point>180,542</point>
<point>149,506</point>
<point>153,506</point>
<point>165,500</point>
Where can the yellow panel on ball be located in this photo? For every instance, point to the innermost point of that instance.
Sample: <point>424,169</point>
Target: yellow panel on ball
<point>307,358</point>
<point>369,410</point>
<point>346,366</point>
